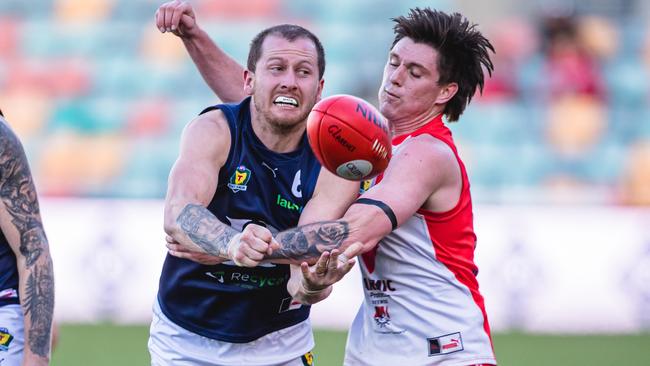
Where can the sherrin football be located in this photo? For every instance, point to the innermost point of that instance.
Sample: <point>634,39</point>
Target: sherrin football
<point>349,137</point>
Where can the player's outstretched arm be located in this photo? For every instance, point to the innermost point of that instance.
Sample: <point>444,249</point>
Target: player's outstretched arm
<point>368,220</point>
<point>220,71</point>
<point>20,221</point>
<point>193,229</point>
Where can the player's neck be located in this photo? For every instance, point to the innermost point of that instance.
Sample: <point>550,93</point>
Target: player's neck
<point>406,126</point>
<point>280,140</point>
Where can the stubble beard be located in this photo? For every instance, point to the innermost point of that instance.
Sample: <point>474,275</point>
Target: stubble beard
<point>281,126</point>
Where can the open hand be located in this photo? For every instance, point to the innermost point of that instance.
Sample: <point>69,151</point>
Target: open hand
<point>329,268</point>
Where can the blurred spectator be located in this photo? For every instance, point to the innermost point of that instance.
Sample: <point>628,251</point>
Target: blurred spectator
<point>569,68</point>
<point>514,40</point>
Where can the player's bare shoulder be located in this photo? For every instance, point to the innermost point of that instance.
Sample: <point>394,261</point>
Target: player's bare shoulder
<point>427,147</point>
<point>207,134</point>
<point>431,157</point>
<point>211,124</point>
<point>12,155</point>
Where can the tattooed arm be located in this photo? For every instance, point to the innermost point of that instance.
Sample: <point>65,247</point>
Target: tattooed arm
<point>436,189</point>
<point>192,183</point>
<point>21,224</point>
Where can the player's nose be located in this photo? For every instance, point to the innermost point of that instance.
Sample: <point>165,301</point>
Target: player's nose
<point>289,81</point>
<point>397,75</point>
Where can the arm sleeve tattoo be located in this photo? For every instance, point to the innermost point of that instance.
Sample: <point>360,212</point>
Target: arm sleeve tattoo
<point>18,195</point>
<point>205,229</point>
<point>310,241</point>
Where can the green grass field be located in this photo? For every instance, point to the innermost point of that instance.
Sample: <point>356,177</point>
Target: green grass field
<point>104,345</point>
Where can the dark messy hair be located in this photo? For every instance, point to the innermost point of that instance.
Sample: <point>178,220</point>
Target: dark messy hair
<point>290,32</point>
<point>462,51</point>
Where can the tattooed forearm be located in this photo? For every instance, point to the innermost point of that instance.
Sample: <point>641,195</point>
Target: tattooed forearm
<point>18,197</point>
<point>205,230</point>
<point>38,305</point>
<point>310,241</point>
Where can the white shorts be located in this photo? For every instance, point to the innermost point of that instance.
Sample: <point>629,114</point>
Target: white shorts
<point>170,344</point>
<point>12,335</point>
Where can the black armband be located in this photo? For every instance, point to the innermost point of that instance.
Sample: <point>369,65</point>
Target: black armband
<point>384,207</point>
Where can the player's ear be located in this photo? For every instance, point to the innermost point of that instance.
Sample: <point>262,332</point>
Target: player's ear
<point>249,82</point>
<point>446,93</point>
<point>319,94</point>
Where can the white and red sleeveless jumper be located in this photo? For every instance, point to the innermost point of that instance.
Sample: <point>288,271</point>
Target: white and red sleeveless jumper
<point>422,304</point>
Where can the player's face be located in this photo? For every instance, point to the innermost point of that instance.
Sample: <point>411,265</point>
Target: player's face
<point>285,85</point>
<point>409,92</point>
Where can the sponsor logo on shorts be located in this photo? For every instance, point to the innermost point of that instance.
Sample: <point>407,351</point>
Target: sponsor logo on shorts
<point>445,344</point>
<point>239,179</point>
<point>9,293</point>
<point>288,303</point>
<point>5,339</point>
<point>308,359</point>
<point>246,280</point>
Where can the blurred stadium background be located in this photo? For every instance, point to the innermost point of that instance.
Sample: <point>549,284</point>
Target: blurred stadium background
<point>558,149</point>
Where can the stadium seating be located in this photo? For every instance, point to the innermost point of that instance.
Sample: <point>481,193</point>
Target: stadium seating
<point>100,97</point>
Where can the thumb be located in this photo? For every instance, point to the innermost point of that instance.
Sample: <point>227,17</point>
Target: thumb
<point>273,245</point>
<point>352,251</point>
<point>188,20</point>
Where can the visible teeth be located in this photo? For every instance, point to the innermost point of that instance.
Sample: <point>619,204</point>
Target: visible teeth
<point>286,100</point>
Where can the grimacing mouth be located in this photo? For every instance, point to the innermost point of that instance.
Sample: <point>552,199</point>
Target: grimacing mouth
<point>285,100</point>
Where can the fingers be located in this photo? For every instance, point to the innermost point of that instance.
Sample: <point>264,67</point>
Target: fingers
<point>334,259</point>
<point>258,231</point>
<point>353,250</point>
<point>249,251</point>
<point>346,267</point>
<point>274,246</point>
<point>170,15</point>
<point>159,20</point>
<point>304,267</point>
<point>167,18</point>
<point>321,266</point>
<point>175,247</point>
<point>176,16</point>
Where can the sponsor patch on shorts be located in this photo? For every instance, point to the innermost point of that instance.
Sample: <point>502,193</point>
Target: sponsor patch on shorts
<point>307,359</point>
<point>5,339</point>
<point>445,344</point>
<point>288,303</point>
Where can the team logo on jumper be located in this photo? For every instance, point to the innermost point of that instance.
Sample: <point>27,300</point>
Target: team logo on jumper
<point>239,180</point>
<point>5,339</point>
<point>382,318</point>
<point>445,344</point>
